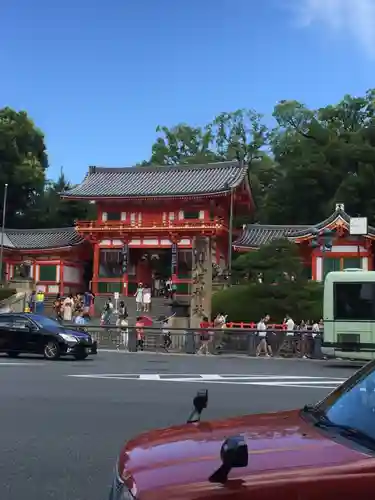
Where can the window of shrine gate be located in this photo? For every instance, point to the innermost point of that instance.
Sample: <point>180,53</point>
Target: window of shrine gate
<point>110,263</point>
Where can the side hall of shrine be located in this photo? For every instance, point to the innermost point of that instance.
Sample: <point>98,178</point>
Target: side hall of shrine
<point>347,251</point>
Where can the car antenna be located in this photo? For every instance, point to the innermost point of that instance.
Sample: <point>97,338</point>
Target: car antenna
<point>200,403</point>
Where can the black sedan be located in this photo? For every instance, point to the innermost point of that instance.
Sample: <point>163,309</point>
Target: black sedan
<point>37,334</point>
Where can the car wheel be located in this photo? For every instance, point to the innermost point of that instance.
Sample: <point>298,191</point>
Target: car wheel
<point>82,355</point>
<point>12,354</point>
<point>52,350</point>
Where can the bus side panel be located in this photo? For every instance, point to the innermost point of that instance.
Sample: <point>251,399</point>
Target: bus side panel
<point>348,329</point>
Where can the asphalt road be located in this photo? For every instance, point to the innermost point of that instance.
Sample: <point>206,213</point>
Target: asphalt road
<point>62,428</point>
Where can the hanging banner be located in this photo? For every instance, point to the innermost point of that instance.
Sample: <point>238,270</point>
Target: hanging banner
<point>174,259</point>
<point>125,258</point>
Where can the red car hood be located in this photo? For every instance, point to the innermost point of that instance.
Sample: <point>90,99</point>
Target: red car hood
<point>163,462</point>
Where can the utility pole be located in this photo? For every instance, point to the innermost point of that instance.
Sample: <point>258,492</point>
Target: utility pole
<point>3,231</point>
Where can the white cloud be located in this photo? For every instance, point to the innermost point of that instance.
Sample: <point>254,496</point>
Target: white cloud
<point>355,18</point>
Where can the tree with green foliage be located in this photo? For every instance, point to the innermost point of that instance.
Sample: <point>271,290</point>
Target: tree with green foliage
<point>272,281</point>
<point>324,156</point>
<point>49,210</point>
<point>23,163</point>
<point>249,302</point>
<point>277,262</point>
<point>236,135</point>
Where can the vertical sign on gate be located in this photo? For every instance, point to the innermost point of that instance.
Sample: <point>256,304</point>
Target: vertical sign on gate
<point>125,255</point>
<point>174,259</point>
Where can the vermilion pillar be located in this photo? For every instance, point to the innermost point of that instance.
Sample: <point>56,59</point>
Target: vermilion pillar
<point>61,277</point>
<point>95,271</point>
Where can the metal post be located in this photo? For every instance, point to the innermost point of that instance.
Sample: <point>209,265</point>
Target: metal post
<point>3,231</point>
<point>230,242</point>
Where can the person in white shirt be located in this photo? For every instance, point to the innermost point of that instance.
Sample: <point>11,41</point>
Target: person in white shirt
<point>289,338</point>
<point>263,345</point>
<point>289,325</point>
<point>315,329</point>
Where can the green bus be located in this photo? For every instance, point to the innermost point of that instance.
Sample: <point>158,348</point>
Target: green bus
<point>349,314</point>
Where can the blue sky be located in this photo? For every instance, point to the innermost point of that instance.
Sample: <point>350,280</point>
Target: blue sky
<point>99,76</point>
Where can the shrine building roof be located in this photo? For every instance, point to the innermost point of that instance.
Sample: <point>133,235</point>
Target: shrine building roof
<point>255,235</point>
<point>28,239</point>
<point>159,181</point>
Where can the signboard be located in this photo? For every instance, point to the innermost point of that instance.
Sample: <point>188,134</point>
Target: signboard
<point>174,259</point>
<point>358,226</point>
<point>125,258</point>
<point>116,295</point>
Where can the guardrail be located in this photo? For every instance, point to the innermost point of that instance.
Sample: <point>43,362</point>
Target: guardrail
<point>210,341</point>
<point>252,326</point>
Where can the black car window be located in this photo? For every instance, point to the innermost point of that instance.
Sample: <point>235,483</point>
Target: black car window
<point>5,321</point>
<point>20,323</point>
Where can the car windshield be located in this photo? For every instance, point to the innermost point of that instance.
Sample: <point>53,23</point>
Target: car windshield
<point>352,405</point>
<point>46,322</point>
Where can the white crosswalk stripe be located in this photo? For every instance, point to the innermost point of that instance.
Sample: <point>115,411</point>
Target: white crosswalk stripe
<point>237,379</point>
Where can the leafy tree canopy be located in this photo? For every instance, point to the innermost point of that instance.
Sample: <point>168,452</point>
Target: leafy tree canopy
<point>23,162</point>
<point>277,262</point>
<point>309,161</point>
<point>32,200</point>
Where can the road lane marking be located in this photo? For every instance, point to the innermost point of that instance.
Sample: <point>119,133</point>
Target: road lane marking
<point>6,363</point>
<point>293,381</point>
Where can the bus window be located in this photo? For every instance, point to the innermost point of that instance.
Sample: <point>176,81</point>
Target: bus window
<point>354,301</point>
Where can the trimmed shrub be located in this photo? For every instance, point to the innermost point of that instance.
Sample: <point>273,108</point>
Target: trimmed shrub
<point>247,303</point>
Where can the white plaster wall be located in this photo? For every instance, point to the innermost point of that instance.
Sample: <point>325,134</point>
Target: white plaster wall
<point>72,274</point>
<point>319,269</point>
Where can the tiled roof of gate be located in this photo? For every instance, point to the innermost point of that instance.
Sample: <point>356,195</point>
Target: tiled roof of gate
<point>163,181</point>
<point>23,239</point>
<point>255,235</point>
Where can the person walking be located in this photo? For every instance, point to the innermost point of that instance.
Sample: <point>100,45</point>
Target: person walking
<point>139,328</point>
<point>264,345</point>
<point>57,307</point>
<point>122,323</point>
<point>146,298</point>
<point>205,336</point>
<point>290,327</point>
<point>88,302</point>
<point>139,297</point>
<point>107,312</point>
<point>68,305</point>
<point>39,302</point>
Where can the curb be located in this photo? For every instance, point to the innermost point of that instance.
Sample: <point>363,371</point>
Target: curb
<point>224,356</point>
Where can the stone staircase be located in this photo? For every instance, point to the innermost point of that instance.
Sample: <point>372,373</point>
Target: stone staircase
<point>160,306</point>
<point>48,305</point>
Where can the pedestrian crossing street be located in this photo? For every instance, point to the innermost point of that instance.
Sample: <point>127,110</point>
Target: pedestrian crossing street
<point>292,381</point>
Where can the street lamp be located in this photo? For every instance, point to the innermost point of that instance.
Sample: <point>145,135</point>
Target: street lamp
<point>3,231</point>
<point>230,187</point>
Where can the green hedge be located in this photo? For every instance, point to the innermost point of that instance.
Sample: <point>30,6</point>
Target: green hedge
<point>5,293</point>
<point>247,303</point>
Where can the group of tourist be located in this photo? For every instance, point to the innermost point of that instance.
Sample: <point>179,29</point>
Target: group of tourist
<point>144,293</point>
<point>77,307</point>
<point>304,333</point>
<point>207,336</point>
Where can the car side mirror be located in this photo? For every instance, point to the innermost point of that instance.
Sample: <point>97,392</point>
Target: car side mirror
<point>234,454</point>
<point>200,403</point>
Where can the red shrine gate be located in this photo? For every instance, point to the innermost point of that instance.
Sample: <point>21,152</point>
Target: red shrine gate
<point>147,219</point>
